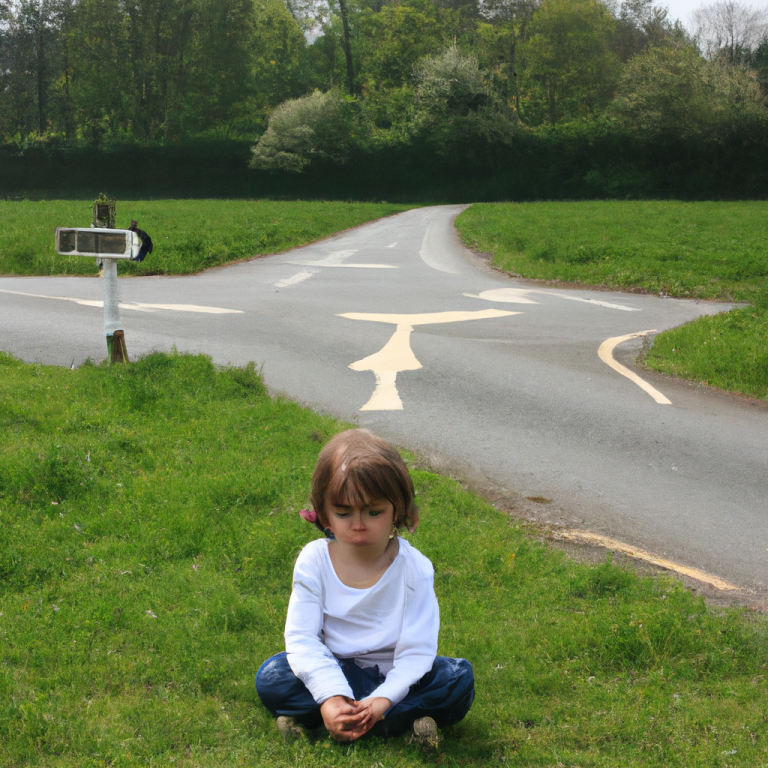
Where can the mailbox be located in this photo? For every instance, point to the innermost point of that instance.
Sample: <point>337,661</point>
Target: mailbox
<point>97,242</point>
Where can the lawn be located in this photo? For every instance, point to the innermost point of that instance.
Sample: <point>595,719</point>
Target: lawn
<point>149,518</point>
<point>704,250</point>
<point>188,235</point>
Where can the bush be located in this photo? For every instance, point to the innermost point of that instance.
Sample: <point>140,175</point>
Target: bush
<point>318,126</point>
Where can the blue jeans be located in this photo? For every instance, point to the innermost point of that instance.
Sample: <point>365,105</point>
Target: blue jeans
<point>445,693</point>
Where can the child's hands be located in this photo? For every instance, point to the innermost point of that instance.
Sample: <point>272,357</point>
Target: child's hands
<point>347,720</point>
<point>342,717</point>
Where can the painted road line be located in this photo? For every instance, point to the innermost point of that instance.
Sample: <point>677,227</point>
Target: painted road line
<point>299,278</point>
<point>592,301</point>
<point>520,296</point>
<point>397,355</point>
<point>336,266</point>
<point>183,308</point>
<point>435,249</point>
<point>339,259</point>
<point>135,305</point>
<point>506,295</point>
<point>605,353</point>
<point>617,546</point>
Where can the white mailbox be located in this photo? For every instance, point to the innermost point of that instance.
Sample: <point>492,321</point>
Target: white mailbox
<point>107,245</point>
<point>97,243</point>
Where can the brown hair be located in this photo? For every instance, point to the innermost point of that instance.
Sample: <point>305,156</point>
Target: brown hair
<point>356,467</point>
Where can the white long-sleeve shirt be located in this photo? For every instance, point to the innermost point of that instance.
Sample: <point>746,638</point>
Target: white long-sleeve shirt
<point>393,624</point>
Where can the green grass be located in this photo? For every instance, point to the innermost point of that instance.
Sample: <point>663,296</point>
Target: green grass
<point>706,250</point>
<point>188,235</point>
<point>729,351</point>
<point>149,526</point>
<point>690,250</point>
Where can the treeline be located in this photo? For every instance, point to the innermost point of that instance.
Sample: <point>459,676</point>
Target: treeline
<point>548,97</point>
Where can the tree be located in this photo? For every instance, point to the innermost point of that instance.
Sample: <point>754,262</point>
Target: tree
<point>505,28</point>
<point>675,91</point>
<point>279,56</point>
<point>393,40</point>
<point>730,30</point>
<point>570,69</point>
<point>31,53</point>
<point>641,24</point>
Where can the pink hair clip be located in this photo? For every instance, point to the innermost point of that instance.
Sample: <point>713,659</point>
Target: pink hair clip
<point>309,515</point>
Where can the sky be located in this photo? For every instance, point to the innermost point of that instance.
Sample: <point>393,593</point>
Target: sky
<point>682,9</point>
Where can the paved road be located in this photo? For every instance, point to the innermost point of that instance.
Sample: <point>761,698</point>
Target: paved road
<point>489,375</point>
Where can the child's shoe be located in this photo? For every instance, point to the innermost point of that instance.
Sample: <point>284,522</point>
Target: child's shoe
<point>425,732</point>
<point>290,730</point>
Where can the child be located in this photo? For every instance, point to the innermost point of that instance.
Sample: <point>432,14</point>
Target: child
<point>362,624</point>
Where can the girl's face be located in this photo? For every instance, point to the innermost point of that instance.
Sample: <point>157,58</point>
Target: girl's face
<point>368,525</point>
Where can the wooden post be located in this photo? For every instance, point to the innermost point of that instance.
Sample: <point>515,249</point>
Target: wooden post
<point>116,347</point>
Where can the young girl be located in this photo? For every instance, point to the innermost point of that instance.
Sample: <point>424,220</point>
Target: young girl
<point>362,624</point>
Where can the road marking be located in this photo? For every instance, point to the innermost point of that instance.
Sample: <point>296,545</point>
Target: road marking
<point>397,355</point>
<point>338,259</point>
<point>605,353</point>
<point>507,295</point>
<point>519,296</point>
<point>434,249</point>
<point>342,266</point>
<point>392,246</point>
<point>135,305</point>
<point>618,546</point>
<point>299,278</point>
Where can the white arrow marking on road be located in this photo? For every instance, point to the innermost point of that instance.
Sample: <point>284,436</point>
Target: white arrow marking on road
<point>397,355</point>
<point>518,296</point>
<point>605,353</point>
<point>299,278</point>
<point>137,306</point>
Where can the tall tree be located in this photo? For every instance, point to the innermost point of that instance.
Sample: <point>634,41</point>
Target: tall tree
<point>641,24</point>
<point>729,29</point>
<point>503,31</point>
<point>570,69</point>
<point>347,46</point>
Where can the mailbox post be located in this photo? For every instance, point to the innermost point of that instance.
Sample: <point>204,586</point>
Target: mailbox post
<point>109,246</point>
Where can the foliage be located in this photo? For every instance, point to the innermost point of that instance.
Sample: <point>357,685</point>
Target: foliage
<point>189,235</point>
<point>318,126</point>
<point>673,90</point>
<point>459,100</point>
<point>640,25</point>
<point>570,67</point>
<point>150,528</point>
<point>730,30</point>
<point>109,72</point>
<point>449,84</point>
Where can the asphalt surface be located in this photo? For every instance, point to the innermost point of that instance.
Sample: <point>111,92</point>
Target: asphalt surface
<point>521,400</point>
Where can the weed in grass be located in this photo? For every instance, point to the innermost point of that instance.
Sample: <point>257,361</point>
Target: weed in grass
<point>189,235</point>
<point>136,608</point>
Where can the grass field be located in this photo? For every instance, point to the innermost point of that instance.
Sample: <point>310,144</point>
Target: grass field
<point>706,250</point>
<point>188,235</point>
<point>149,519</point>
